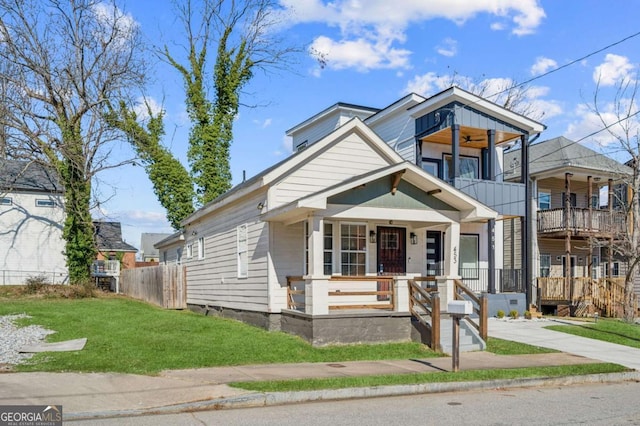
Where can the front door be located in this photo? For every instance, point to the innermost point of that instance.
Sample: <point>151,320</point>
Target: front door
<point>392,259</point>
<point>434,253</point>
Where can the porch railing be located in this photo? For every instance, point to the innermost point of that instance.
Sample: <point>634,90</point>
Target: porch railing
<point>606,294</point>
<point>480,307</point>
<point>477,279</point>
<point>348,292</point>
<point>424,306</point>
<point>581,220</point>
<point>105,268</point>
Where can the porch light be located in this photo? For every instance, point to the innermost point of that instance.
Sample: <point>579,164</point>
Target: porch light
<point>372,236</point>
<point>414,238</point>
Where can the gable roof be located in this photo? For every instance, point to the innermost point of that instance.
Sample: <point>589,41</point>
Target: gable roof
<point>108,237</point>
<point>278,170</point>
<point>478,103</point>
<point>471,209</point>
<point>20,175</point>
<point>148,241</point>
<point>339,106</point>
<point>562,154</point>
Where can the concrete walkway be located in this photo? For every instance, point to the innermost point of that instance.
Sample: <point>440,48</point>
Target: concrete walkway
<point>534,333</point>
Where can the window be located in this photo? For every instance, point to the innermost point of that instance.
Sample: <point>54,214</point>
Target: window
<point>327,248</point>
<point>432,166</point>
<point>6,201</point>
<point>302,145</point>
<point>544,200</point>
<point>189,251</point>
<point>45,203</point>
<point>615,270</point>
<point>201,248</point>
<point>573,199</point>
<point>469,167</point>
<point>353,249</point>
<point>595,267</point>
<point>243,251</point>
<point>469,256</point>
<point>179,255</point>
<point>545,265</point>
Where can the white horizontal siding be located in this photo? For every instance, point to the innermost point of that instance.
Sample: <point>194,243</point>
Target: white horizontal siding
<point>287,258</point>
<point>31,237</point>
<point>348,158</point>
<point>214,279</point>
<point>320,129</point>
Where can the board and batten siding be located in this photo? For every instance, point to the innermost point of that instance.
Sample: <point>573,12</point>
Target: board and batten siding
<point>214,280</point>
<point>32,242</point>
<point>347,158</point>
<point>398,132</point>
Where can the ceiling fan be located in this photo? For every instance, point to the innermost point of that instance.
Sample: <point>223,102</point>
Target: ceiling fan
<point>469,139</point>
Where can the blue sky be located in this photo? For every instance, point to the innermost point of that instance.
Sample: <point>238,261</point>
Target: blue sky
<point>378,51</point>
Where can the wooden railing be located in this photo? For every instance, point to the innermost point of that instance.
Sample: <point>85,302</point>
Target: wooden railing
<point>105,268</point>
<point>351,288</point>
<point>294,301</point>
<point>606,294</point>
<point>424,305</point>
<point>581,220</point>
<point>480,307</point>
<point>352,292</point>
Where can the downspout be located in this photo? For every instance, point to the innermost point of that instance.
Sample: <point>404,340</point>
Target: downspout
<point>527,243</point>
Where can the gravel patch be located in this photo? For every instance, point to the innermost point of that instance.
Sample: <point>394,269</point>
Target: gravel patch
<point>13,338</point>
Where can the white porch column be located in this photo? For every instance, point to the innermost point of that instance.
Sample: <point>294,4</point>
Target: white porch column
<point>451,265</point>
<point>316,284</point>
<point>401,288</point>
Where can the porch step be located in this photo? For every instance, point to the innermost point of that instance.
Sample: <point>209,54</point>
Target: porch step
<point>470,340</point>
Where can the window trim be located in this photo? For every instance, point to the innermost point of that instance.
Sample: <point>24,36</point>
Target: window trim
<point>42,202</point>
<point>544,192</point>
<point>477,267</point>
<point>546,256</point>
<point>445,170</point>
<point>365,251</point>
<point>437,162</point>
<point>201,248</point>
<point>242,250</point>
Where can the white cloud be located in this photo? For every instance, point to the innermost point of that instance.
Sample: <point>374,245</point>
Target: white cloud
<point>543,65</point>
<point>143,105</point>
<point>263,124</point>
<point>287,144</point>
<point>116,26</point>
<point>588,122</point>
<point>448,47</point>
<point>376,27</point>
<point>614,69</point>
<point>494,89</point>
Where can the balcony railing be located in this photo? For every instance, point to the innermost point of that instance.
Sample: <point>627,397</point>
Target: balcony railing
<point>506,198</point>
<point>105,268</point>
<point>477,279</point>
<point>581,221</point>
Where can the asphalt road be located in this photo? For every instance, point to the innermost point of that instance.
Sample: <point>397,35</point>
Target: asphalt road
<point>603,404</point>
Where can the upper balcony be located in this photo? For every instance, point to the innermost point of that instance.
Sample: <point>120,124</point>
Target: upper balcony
<point>105,268</point>
<point>506,198</point>
<point>581,222</point>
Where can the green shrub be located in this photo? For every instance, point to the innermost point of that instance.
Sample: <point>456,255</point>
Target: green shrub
<point>500,313</point>
<point>514,314</point>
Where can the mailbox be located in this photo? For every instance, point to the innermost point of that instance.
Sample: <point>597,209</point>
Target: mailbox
<point>460,307</point>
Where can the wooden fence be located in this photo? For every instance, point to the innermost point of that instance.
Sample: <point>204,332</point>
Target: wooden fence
<point>162,285</point>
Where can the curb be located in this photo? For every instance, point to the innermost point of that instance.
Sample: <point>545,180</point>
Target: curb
<point>281,398</point>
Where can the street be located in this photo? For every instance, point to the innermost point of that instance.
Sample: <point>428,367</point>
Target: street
<point>605,404</point>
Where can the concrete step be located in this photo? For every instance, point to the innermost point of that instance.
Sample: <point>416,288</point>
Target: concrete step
<point>469,338</point>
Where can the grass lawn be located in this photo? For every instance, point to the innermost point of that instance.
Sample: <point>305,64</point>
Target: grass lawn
<point>128,336</point>
<point>609,330</point>
<point>410,379</point>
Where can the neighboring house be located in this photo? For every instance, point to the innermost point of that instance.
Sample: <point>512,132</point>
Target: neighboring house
<point>171,248</point>
<point>31,223</point>
<point>111,246</point>
<point>148,253</point>
<point>578,202</point>
<point>353,206</point>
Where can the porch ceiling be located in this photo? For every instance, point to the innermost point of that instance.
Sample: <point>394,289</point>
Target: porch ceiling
<point>471,137</point>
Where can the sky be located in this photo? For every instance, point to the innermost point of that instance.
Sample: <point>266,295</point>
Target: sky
<point>375,52</point>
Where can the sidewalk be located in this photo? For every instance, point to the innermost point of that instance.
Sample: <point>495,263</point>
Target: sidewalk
<point>93,395</point>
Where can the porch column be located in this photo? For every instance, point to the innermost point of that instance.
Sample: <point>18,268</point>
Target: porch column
<point>491,228</point>
<point>451,265</point>
<point>316,284</point>
<point>527,221</point>
<point>610,248</point>
<point>491,156</point>
<point>567,238</point>
<point>590,198</point>
<point>455,154</point>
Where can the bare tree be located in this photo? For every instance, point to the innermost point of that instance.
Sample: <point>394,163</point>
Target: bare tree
<point>65,59</point>
<point>619,116</point>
